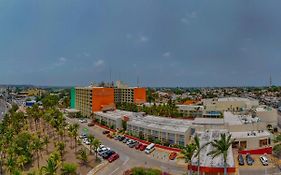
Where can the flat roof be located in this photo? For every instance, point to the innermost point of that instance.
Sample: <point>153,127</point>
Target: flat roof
<point>263,108</point>
<point>114,115</point>
<point>190,107</point>
<point>161,123</point>
<point>208,160</point>
<point>251,134</point>
<point>231,119</point>
<point>208,121</point>
<point>235,99</point>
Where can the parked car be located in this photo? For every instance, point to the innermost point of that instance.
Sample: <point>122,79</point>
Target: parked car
<point>173,155</point>
<point>142,147</point>
<point>125,140</point>
<point>106,132</point>
<point>83,136</point>
<point>130,142</point>
<point>121,138</point>
<point>103,150</point>
<point>86,141</point>
<point>91,124</point>
<point>116,137</point>
<point>249,159</point>
<point>133,144</point>
<point>137,146</point>
<point>107,154</point>
<point>113,157</point>
<point>240,159</point>
<point>82,120</point>
<point>109,136</point>
<point>264,160</point>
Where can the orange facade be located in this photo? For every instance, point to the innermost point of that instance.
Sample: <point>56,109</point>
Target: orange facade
<point>102,97</point>
<point>139,95</point>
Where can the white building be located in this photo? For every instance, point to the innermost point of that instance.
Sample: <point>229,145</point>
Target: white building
<point>235,104</point>
<point>191,110</point>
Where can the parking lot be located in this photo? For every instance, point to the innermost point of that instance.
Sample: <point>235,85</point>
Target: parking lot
<point>257,162</point>
<point>129,157</point>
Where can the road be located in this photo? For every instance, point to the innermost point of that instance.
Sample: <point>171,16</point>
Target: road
<point>263,171</point>
<point>3,108</point>
<point>129,157</point>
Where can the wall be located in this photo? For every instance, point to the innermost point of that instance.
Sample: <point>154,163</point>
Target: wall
<point>267,150</point>
<point>139,95</point>
<point>72,98</point>
<point>102,97</point>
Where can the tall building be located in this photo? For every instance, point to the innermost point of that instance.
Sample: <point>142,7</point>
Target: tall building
<point>125,94</point>
<point>91,99</point>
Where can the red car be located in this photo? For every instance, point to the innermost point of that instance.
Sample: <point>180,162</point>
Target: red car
<point>138,146</point>
<point>173,155</point>
<point>113,157</point>
<point>142,147</point>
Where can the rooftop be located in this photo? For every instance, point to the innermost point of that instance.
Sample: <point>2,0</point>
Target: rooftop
<point>207,160</point>
<point>117,114</point>
<point>161,123</point>
<point>208,121</point>
<point>249,134</point>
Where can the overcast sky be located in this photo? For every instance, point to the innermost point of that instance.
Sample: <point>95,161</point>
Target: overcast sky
<point>163,42</point>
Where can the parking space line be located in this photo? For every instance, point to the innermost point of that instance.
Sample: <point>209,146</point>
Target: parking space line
<point>114,171</point>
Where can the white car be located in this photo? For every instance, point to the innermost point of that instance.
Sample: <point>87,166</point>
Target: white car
<point>82,120</point>
<point>86,141</point>
<point>264,160</point>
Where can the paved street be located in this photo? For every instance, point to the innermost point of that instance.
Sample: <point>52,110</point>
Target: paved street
<point>128,157</point>
<point>256,171</point>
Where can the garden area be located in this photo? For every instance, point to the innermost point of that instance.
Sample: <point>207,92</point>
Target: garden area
<point>40,141</point>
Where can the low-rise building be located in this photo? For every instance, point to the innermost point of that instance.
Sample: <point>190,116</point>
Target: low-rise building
<point>208,163</point>
<point>267,115</point>
<point>167,130</point>
<point>191,110</point>
<point>234,104</point>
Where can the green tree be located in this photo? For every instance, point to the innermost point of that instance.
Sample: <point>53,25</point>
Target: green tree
<point>37,146</point>
<point>221,147</point>
<point>50,168</point>
<point>197,151</point>
<point>83,156</point>
<point>96,144</point>
<point>61,147</point>
<point>69,169</point>
<point>91,139</point>
<point>188,151</point>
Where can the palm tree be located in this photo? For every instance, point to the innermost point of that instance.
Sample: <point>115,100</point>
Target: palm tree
<point>37,147</point>
<point>188,151</point>
<point>11,164</point>
<point>75,133</point>
<point>91,139</point>
<point>61,146</point>
<point>21,161</point>
<point>222,146</point>
<point>83,156</point>
<point>69,169</point>
<point>46,142</point>
<point>197,151</point>
<point>96,144</point>
<point>50,168</point>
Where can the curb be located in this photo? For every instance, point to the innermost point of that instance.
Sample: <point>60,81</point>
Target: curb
<point>98,168</point>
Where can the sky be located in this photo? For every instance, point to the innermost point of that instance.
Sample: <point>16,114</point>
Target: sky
<point>187,43</point>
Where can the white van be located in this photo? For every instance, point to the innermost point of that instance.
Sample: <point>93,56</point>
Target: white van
<point>150,148</point>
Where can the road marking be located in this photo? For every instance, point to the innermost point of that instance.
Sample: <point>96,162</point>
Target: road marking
<point>114,171</point>
<point>126,161</point>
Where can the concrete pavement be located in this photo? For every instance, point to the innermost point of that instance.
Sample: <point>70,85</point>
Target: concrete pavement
<point>129,157</point>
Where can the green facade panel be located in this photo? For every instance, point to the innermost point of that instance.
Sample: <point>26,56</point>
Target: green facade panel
<point>72,98</point>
